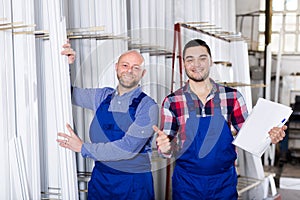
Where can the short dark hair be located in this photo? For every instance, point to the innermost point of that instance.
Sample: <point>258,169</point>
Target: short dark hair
<point>195,43</point>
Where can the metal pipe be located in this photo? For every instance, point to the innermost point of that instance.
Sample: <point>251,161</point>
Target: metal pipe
<point>268,32</point>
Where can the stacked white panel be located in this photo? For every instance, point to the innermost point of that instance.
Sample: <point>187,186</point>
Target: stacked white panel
<point>7,103</point>
<point>58,167</point>
<point>25,91</point>
<point>96,57</point>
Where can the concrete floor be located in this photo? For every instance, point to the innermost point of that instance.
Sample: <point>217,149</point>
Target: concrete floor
<point>287,179</point>
<point>287,194</point>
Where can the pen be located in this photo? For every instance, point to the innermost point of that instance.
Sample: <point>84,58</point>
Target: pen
<point>281,123</point>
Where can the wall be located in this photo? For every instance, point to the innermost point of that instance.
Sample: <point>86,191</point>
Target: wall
<point>289,64</point>
<point>248,24</point>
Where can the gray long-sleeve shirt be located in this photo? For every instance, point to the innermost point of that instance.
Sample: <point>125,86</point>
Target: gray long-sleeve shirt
<point>138,133</point>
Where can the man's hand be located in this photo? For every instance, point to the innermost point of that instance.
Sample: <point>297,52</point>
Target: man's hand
<point>277,134</point>
<point>162,141</point>
<point>68,51</point>
<point>72,141</point>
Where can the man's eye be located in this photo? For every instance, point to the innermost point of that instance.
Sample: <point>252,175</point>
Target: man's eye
<point>125,66</point>
<point>136,68</point>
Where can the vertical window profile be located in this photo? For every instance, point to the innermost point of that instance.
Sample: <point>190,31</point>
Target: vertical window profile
<point>298,47</point>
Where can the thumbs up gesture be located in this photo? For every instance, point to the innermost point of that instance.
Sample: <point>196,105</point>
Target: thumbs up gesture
<point>162,141</point>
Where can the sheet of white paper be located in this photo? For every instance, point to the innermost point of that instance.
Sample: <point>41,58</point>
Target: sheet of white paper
<point>253,136</point>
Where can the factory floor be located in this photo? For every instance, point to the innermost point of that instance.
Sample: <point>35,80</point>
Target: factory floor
<point>287,194</point>
<point>287,178</point>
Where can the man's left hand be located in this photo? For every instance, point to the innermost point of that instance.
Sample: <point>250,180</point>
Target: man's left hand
<point>277,134</point>
<point>72,141</point>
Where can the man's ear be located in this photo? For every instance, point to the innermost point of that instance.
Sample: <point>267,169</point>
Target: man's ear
<point>116,66</point>
<point>144,72</point>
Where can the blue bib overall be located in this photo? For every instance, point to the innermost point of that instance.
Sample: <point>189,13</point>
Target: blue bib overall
<point>124,179</point>
<point>205,165</point>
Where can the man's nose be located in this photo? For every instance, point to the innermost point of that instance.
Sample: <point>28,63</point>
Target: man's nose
<point>197,62</point>
<point>129,69</point>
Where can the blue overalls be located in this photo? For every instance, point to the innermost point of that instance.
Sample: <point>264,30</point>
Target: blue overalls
<point>205,165</point>
<point>124,179</point>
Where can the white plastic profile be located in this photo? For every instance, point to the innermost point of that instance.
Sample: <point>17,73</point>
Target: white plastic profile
<point>65,159</point>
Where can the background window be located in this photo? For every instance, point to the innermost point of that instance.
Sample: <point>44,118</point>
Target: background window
<point>291,4</point>
<point>286,19</point>
<point>290,22</point>
<point>289,43</point>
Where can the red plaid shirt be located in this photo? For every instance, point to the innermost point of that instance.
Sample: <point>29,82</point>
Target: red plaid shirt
<point>174,111</point>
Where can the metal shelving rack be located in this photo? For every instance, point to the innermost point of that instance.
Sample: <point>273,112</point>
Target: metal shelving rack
<point>207,29</point>
<point>246,183</point>
<point>294,130</point>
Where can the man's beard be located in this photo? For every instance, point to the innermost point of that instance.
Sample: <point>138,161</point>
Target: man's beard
<point>127,84</point>
<point>201,79</point>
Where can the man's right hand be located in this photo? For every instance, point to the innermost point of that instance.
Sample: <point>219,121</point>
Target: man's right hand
<point>68,51</point>
<point>162,141</point>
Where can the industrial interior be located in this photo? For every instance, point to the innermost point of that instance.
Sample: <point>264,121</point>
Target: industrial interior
<point>255,48</point>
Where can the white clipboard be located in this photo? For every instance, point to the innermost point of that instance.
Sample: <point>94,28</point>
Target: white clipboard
<point>253,136</point>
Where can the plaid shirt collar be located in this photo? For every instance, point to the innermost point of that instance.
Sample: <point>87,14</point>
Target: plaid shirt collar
<point>215,89</point>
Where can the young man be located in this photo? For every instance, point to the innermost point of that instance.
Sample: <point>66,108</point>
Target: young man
<point>120,133</point>
<point>196,124</point>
